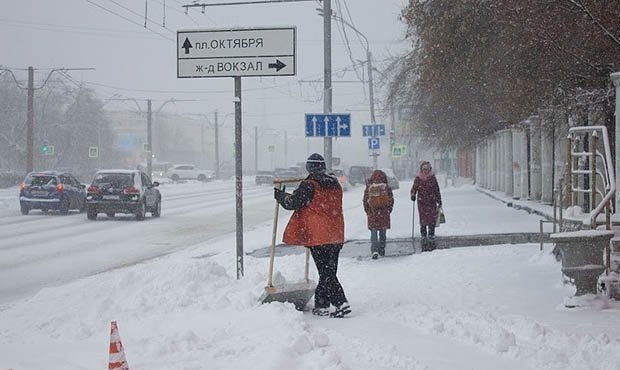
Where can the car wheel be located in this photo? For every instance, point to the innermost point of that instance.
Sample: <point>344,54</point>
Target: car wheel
<point>83,206</point>
<point>141,211</point>
<point>24,210</point>
<point>110,214</point>
<point>91,213</point>
<point>175,177</point>
<point>202,178</point>
<point>156,212</point>
<point>44,210</point>
<point>64,206</point>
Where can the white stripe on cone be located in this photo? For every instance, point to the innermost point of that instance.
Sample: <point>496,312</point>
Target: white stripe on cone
<point>117,352</point>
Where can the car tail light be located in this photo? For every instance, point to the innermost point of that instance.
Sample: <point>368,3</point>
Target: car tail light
<point>131,190</point>
<point>59,188</point>
<point>92,189</point>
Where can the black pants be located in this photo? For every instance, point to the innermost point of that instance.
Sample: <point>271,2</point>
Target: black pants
<point>377,241</point>
<point>431,230</point>
<point>329,289</point>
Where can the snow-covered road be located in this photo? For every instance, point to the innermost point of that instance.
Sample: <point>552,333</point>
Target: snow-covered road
<point>40,250</point>
<point>492,307</point>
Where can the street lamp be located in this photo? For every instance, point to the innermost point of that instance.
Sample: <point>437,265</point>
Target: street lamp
<point>368,62</point>
<point>149,130</point>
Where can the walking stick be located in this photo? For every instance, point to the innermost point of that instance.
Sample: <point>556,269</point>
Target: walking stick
<point>413,226</point>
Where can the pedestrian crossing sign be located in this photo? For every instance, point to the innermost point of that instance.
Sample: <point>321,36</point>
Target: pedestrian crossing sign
<point>399,151</point>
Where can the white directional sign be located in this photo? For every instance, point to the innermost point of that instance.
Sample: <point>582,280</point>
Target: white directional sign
<point>236,52</point>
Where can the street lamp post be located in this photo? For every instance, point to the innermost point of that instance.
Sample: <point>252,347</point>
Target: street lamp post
<point>371,97</point>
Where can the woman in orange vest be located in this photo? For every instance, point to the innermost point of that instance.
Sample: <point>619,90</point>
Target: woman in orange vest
<point>318,224</point>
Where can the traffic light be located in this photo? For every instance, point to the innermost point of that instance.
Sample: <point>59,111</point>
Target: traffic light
<point>45,148</point>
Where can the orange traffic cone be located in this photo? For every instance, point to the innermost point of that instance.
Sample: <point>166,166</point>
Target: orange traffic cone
<point>117,352</point>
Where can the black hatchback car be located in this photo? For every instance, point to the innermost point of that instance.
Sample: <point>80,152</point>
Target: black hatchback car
<point>122,191</point>
<point>51,190</point>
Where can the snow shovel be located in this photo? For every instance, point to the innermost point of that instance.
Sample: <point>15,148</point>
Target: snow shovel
<point>298,293</point>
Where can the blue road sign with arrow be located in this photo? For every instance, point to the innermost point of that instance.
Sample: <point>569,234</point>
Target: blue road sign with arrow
<point>328,125</point>
<point>373,130</point>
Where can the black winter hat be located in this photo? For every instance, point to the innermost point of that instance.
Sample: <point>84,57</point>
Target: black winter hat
<point>315,163</point>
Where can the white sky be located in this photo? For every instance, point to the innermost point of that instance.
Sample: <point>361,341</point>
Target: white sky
<point>131,62</point>
<point>463,308</point>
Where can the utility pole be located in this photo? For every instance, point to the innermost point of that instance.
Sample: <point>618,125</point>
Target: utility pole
<point>327,76</point>
<point>371,91</point>
<point>30,122</point>
<point>30,108</point>
<point>217,147</point>
<point>202,145</point>
<point>371,97</point>
<point>149,124</point>
<point>256,149</point>
<point>238,176</point>
<point>285,150</point>
<point>149,138</point>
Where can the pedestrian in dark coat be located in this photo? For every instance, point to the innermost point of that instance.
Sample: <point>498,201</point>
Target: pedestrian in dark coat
<point>318,224</point>
<point>378,218</point>
<point>426,189</point>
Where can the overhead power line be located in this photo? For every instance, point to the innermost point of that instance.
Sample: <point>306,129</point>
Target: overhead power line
<point>130,20</point>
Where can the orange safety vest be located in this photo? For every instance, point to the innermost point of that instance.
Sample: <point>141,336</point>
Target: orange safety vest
<point>320,222</point>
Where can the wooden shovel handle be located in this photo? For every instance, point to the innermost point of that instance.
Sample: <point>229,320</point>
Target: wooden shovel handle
<point>287,180</point>
<point>272,252</point>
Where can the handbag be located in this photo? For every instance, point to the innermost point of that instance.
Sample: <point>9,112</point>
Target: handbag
<point>441,217</point>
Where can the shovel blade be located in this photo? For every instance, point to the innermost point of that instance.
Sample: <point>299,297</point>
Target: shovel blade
<point>298,294</point>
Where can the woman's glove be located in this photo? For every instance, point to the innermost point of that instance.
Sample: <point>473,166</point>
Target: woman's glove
<point>413,198</point>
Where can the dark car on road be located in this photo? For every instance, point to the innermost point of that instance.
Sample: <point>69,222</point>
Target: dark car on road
<point>51,190</point>
<point>122,191</point>
<point>291,177</point>
<point>263,177</point>
<point>359,174</point>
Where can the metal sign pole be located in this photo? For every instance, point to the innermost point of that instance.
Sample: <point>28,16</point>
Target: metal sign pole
<point>327,76</point>
<point>238,177</point>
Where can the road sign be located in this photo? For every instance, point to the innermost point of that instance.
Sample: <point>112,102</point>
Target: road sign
<point>328,125</point>
<point>374,143</point>
<point>93,152</point>
<point>236,52</point>
<point>373,130</point>
<point>399,151</point>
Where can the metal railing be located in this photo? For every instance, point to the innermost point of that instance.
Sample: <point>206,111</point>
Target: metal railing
<point>584,163</point>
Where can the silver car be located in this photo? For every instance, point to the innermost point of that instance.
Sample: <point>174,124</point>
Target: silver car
<point>392,179</point>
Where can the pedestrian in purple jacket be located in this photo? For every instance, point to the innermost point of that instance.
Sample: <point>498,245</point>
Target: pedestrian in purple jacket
<point>426,190</point>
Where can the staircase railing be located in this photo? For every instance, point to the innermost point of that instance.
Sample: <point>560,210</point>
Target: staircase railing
<point>579,165</point>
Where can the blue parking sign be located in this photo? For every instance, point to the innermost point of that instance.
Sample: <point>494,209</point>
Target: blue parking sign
<point>374,143</point>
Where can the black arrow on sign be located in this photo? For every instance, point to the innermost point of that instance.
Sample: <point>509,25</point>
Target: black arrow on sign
<point>278,65</point>
<point>187,45</point>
